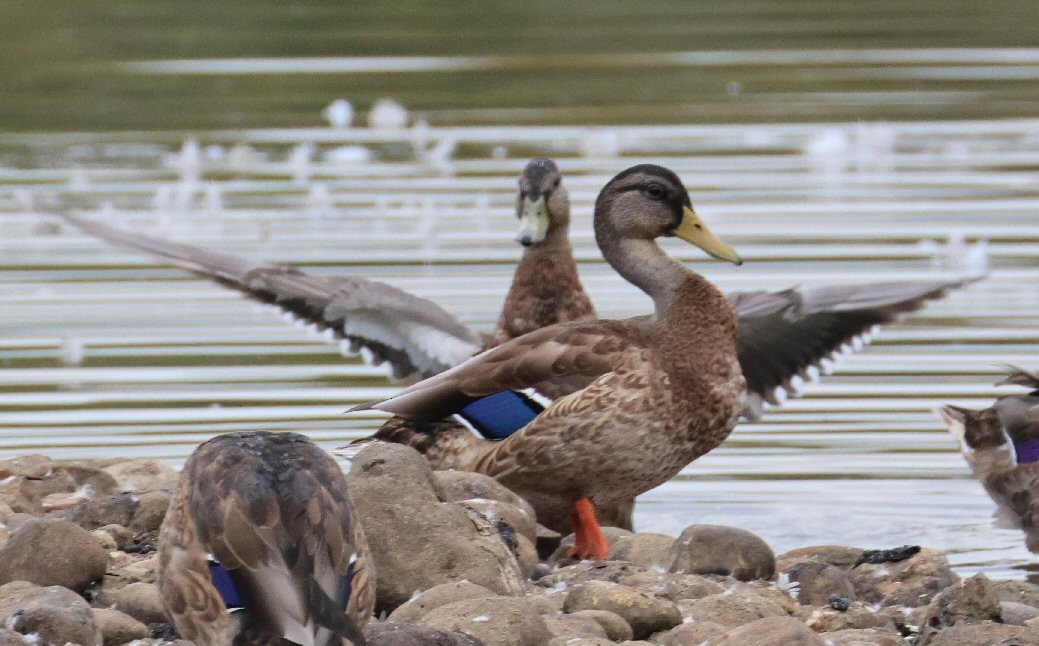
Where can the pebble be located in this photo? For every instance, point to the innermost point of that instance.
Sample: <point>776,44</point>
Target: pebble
<point>48,551</point>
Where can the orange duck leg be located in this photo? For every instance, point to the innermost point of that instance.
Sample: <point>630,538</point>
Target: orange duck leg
<point>589,541</point>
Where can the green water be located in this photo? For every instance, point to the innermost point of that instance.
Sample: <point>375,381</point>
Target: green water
<point>61,63</point>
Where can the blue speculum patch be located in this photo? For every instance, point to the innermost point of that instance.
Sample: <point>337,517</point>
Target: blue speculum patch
<point>500,415</point>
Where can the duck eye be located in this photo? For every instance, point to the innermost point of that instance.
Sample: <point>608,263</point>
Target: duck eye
<point>655,191</point>
<point>555,184</point>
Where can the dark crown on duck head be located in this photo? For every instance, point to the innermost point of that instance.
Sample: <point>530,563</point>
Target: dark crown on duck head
<point>536,172</point>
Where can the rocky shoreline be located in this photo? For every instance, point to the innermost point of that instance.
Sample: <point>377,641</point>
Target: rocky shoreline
<point>462,561</point>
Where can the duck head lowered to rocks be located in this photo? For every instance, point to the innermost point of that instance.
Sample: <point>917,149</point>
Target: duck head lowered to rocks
<point>261,544</point>
<point>663,389</point>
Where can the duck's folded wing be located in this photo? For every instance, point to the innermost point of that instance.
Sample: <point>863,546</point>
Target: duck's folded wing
<point>785,336</point>
<point>580,350</point>
<point>286,539</point>
<point>414,335</point>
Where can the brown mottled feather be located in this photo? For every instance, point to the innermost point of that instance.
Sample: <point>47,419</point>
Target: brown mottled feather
<point>274,510</point>
<point>664,389</point>
<point>987,437</point>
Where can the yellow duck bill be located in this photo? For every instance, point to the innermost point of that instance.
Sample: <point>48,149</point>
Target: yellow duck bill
<point>693,230</point>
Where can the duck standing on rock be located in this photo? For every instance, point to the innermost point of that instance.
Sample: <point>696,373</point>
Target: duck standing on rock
<point>664,389</point>
<point>1001,445</point>
<point>261,544</point>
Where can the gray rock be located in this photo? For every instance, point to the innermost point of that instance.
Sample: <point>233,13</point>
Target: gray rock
<point>983,634</point>
<point>456,486</point>
<point>689,586</point>
<point>151,509</point>
<point>572,626</point>
<point>417,541</point>
<point>617,629</point>
<point>817,582</point>
<point>613,571</point>
<point>729,609</point>
<point>911,582</point>
<point>975,599</point>
<point>117,509</point>
<point>410,634</point>
<point>842,557</point>
<point>10,638</point>
<point>496,511</point>
<point>649,550</point>
<point>142,602</point>
<point>644,613</point>
<point>1018,591</point>
<point>496,621</point>
<point>1016,614</point>
<point>118,627</point>
<point>698,632</point>
<point>142,475</point>
<point>714,549</point>
<point>57,614</point>
<point>580,641</point>
<point>439,595</point>
<point>612,534</point>
<point>48,551</point>
<point>771,631</point>
<point>858,617</point>
<point>863,637</point>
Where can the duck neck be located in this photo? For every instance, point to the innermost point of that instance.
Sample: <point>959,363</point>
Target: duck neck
<point>644,264</point>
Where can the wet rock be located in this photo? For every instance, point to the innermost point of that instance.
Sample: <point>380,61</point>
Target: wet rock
<point>729,609</point>
<point>411,634</point>
<point>418,542</point>
<point>48,551</point>
<point>983,634</point>
<point>142,602</point>
<point>118,509</point>
<point>1016,614</point>
<point>456,486</point>
<point>771,631</point>
<point>842,557</point>
<point>863,637</point>
<point>439,595</point>
<point>768,591</point>
<point>142,475</point>
<point>151,509</point>
<point>974,599</point>
<point>617,629</point>
<point>644,613</point>
<point>527,556</point>
<point>58,615</point>
<point>496,511</point>
<point>119,628</point>
<point>496,621</point>
<point>817,582</point>
<point>698,632</point>
<point>649,550</point>
<point>612,534</point>
<point>33,466</point>
<point>714,549</point>
<point>912,582</point>
<point>571,625</point>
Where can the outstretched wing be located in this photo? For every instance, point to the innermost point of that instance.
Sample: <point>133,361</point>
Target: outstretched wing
<point>273,509</point>
<point>414,335</point>
<point>785,336</point>
<point>576,351</point>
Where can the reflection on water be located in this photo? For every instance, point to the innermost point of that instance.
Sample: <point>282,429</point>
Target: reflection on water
<point>934,174</point>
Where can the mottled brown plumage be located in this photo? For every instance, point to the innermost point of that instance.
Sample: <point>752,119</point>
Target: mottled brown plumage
<point>663,390</point>
<point>1000,444</point>
<point>546,288</point>
<point>274,510</point>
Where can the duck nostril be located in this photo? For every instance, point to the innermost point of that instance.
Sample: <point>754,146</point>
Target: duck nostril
<point>526,241</point>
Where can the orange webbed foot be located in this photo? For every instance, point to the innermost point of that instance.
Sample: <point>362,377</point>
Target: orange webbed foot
<point>589,541</point>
